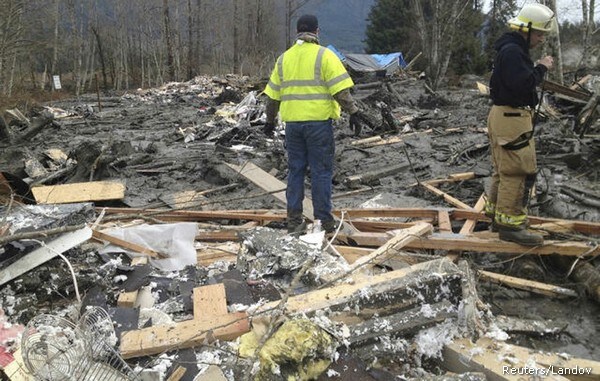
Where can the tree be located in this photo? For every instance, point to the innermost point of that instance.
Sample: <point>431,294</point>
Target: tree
<point>437,23</point>
<point>391,27</point>
<point>588,28</point>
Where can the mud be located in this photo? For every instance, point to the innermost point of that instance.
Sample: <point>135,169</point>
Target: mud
<point>176,138</point>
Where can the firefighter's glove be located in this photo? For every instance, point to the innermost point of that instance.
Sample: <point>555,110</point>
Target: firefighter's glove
<point>269,129</point>
<point>357,120</point>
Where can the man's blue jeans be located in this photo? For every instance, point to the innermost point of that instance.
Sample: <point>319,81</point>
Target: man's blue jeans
<point>310,144</point>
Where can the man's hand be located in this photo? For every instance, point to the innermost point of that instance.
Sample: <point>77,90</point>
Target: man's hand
<point>357,121</point>
<point>269,129</point>
<point>547,61</point>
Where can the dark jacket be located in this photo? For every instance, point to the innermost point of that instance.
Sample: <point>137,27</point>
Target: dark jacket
<point>514,77</point>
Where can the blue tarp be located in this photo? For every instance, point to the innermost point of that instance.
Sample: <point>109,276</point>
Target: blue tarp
<point>371,62</point>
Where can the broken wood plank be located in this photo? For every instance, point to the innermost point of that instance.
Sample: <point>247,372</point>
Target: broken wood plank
<point>452,178</point>
<point>389,249</point>
<point>528,285</point>
<point>177,374</point>
<point>449,199</point>
<point>456,242</point>
<point>498,359</point>
<point>218,236</point>
<point>127,245</point>
<point>45,253</point>
<point>129,299</point>
<point>79,192</point>
<point>269,183</point>
<point>209,301</point>
<point>558,88</point>
<point>223,252</point>
<point>444,224</point>
<point>469,224</point>
<point>185,334</point>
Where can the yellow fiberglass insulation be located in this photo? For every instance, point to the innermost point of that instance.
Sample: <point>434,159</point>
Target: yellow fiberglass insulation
<point>299,351</point>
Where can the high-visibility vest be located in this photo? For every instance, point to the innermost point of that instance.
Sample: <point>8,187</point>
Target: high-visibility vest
<point>304,79</point>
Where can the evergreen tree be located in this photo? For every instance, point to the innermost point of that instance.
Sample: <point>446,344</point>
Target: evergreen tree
<point>391,28</point>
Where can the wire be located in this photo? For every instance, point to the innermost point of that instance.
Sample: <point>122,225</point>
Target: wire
<point>68,264</point>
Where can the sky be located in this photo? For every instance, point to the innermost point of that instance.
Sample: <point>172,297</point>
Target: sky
<point>566,9</point>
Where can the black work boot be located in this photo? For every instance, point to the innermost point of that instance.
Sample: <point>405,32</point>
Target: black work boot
<point>329,226</point>
<point>519,235</point>
<point>295,223</point>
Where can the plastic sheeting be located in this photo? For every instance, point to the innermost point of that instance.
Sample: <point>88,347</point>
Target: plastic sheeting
<point>370,63</point>
<point>174,240</point>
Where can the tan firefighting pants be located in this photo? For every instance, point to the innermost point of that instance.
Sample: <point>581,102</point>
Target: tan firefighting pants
<point>512,146</point>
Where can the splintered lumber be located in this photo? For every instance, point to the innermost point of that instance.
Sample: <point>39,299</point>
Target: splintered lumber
<point>498,359</point>
<point>202,215</point>
<point>45,253</point>
<point>222,252</point>
<point>126,244</point>
<point>389,249</point>
<point>470,299</point>
<point>270,184</point>
<point>209,301</point>
<point>376,290</point>
<point>186,334</point>
<point>457,242</point>
<point>454,177</point>
<point>79,192</point>
<point>558,88</point>
<point>449,199</point>
<point>528,285</point>
<point>469,224</point>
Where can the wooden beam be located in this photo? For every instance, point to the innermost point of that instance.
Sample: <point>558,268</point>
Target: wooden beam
<point>79,192</point>
<point>469,224</point>
<point>444,224</point>
<point>449,199</point>
<point>496,359</point>
<point>529,285</point>
<point>389,249</point>
<point>186,334</point>
<point>209,301</point>
<point>126,244</point>
<point>457,242</point>
<point>270,184</point>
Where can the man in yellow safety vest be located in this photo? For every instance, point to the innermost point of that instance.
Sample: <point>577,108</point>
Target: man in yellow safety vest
<point>307,86</point>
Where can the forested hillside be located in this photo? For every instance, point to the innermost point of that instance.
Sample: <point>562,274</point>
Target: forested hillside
<point>343,22</point>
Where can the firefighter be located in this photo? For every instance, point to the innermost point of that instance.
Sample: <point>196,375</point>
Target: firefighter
<point>510,122</point>
<point>307,86</point>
